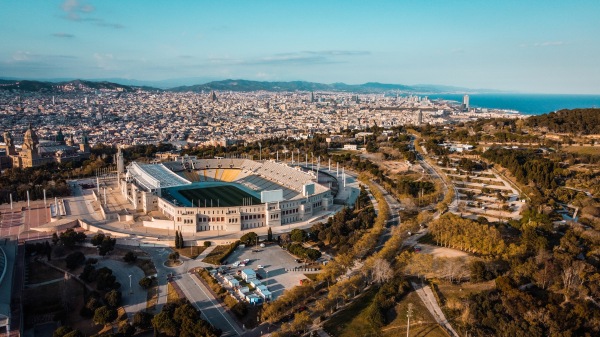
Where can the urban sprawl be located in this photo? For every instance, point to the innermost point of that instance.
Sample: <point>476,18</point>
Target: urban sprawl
<point>217,118</point>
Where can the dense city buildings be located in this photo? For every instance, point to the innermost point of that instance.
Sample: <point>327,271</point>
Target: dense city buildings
<point>215,118</point>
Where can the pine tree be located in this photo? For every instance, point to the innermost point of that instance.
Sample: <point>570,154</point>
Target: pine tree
<point>270,235</point>
<point>181,245</point>
<point>177,239</point>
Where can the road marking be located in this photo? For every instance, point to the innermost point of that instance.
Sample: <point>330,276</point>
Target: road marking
<point>213,303</point>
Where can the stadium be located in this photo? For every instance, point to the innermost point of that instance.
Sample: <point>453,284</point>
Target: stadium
<point>194,195</point>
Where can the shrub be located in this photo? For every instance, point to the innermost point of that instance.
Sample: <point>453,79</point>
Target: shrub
<point>142,320</point>
<point>104,315</point>
<point>174,256</point>
<point>130,257</point>
<point>74,260</point>
<point>91,260</point>
<point>145,282</point>
<point>113,298</point>
<point>207,244</point>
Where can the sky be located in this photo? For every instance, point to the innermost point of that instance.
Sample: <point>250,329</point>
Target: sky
<point>523,46</point>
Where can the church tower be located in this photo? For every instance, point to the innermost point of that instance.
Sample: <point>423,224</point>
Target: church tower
<point>10,145</point>
<point>84,146</point>
<point>70,141</point>
<point>29,154</point>
<point>60,137</point>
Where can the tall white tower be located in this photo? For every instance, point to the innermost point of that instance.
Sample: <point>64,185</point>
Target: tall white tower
<point>466,102</point>
<point>120,162</point>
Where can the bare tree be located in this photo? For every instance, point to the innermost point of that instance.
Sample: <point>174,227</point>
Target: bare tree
<point>382,271</point>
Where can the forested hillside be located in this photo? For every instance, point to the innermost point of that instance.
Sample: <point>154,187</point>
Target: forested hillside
<point>577,121</point>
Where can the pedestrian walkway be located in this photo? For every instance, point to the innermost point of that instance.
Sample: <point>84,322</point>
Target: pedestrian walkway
<point>426,295</point>
<point>205,253</point>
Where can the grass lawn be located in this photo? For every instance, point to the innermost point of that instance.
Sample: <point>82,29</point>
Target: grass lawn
<point>190,252</point>
<point>217,254</point>
<point>594,150</point>
<point>421,322</point>
<point>312,277</point>
<point>224,196</point>
<point>453,295</point>
<point>152,298</point>
<point>38,272</point>
<point>171,293</point>
<point>349,321</point>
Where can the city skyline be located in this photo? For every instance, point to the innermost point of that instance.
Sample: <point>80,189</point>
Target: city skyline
<point>536,47</point>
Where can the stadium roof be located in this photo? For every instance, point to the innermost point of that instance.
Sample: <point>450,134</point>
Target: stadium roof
<point>154,176</point>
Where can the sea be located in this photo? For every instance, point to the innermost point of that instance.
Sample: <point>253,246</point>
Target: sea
<point>528,104</point>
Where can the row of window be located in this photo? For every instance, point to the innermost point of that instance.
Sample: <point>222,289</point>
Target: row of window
<point>291,211</point>
<point>212,212</point>
<point>254,225</point>
<point>253,217</point>
<point>211,228</point>
<point>289,220</point>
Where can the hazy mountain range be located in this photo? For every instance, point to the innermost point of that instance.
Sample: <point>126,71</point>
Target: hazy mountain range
<point>233,85</point>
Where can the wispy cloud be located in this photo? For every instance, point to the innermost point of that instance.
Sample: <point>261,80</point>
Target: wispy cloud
<point>543,44</point>
<point>79,10</point>
<point>548,44</point>
<point>110,25</point>
<point>287,59</point>
<point>338,52</point>
<point>74,9</point>
<point>64,35</point>
<point>306,57</point>
<point>104,61</point>
<point>22,57</point>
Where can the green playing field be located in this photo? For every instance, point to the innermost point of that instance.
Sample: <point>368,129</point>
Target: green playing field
<point>223,196</point>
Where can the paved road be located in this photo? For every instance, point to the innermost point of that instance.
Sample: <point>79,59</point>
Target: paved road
<point>135,300</point>
<point>426,295</point>
<point>211,309</point>
<point>193,289</point>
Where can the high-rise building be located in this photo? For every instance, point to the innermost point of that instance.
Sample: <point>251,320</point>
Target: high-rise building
<point>420,117</point>
<point>465,104</point>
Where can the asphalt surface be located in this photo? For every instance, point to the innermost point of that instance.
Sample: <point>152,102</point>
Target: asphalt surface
<point>194,290</point>
<point>133,300</point>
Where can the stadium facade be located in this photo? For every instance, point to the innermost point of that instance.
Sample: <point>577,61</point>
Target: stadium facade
<point>194,195</point>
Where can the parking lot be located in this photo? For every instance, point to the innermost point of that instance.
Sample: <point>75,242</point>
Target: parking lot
<point>274,261</point>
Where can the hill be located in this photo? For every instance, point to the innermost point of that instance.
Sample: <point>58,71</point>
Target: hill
<point>232,85</point>
<point>370,87</point>
<point>577,121</point>
<point>77,85</point>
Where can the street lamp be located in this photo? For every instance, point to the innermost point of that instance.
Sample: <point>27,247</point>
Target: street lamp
<point>130,289</point>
